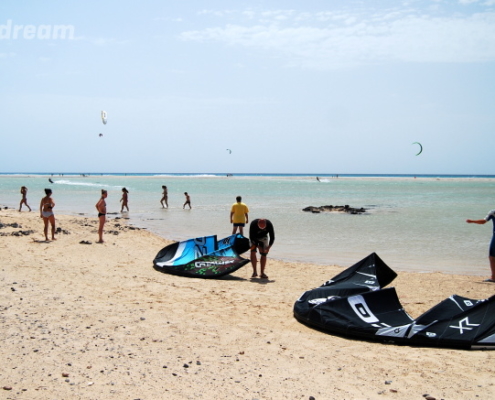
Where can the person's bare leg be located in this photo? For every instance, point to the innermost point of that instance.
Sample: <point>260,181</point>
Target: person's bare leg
<point>262,266</point>
<point>52,222</point>
<point>254,262</point>
<point>45,229</point>
<point>100,228</point>
<point>492,266</point>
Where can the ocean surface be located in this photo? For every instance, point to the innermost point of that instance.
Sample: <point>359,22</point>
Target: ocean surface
<point>414,223</point>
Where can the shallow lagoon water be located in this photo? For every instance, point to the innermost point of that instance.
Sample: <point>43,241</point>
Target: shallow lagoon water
<point>413,224</point>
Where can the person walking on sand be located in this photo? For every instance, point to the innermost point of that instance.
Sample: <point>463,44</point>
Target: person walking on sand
<point>124,199</point>
<point>239,215</point>
<point>24,198</point>
<point>188,201</point>
<point>164,197</point>
<point>491,250</point>
<point>46,212</point>
<point>259,231</point>
<point>101,206</point>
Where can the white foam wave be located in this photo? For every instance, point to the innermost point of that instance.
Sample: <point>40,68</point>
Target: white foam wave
<point>189,176</point>
<point>89,184</point>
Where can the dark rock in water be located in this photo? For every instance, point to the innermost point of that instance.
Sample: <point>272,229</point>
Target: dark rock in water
<point>330,208</point>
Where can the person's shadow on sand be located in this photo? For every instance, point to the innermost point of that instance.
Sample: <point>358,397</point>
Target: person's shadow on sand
<point>261,281</point>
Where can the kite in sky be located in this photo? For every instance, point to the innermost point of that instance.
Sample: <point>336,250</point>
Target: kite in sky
<point>420,148</point>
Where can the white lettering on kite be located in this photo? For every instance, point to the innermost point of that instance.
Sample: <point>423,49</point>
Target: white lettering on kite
<point>361,309</point>
<point>464,324</point>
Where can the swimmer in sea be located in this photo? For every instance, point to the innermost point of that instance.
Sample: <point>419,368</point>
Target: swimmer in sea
<point>46,212</point>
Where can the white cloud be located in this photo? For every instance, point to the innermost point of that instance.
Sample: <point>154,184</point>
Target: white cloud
<point>337,39</point>
<point>484,3</point>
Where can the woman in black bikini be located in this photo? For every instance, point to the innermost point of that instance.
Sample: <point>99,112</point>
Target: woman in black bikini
<point>46,212</point>
<point>101,206</point>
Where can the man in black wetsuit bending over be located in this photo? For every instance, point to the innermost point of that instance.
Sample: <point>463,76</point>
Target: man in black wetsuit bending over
<point>259,231</point>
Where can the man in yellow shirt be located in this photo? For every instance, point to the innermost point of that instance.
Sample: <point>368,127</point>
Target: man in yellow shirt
<point>239,215</point>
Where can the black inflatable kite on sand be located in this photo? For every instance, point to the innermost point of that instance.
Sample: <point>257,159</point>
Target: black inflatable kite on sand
<point>355,304</point>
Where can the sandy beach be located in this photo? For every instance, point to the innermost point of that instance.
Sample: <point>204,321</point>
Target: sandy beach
<point>96,321</point>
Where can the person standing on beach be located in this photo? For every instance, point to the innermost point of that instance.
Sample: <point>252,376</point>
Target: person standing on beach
<point>239,215</point>
<point>101,206</point>
<point>164,197</point>
<point>124,199</point>
<point>491,250</point>
<point>24,198</point>
<point>188,201</point>
<point>259,231</point>
<point>46,212</point>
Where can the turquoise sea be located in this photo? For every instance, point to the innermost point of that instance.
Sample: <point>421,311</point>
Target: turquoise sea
<point>414,223</point>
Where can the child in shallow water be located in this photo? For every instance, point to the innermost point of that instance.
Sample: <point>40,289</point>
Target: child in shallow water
<point>24,198</point>
<point>124,200</point>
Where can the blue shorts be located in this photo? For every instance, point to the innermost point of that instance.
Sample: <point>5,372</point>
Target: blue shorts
<point>240,224</point>
<point>491,251</point>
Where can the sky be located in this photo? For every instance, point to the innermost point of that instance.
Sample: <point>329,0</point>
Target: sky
<point>314,86</point>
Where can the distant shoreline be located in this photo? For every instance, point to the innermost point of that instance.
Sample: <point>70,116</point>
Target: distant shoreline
<point>257,175</point>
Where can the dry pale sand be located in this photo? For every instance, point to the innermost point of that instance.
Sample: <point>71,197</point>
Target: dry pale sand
<point>96,321</point>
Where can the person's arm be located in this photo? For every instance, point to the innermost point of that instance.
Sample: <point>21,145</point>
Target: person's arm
<point>271,232</point>
<point>476,221</point>
<point>231,215</point>
<point>252,229</point>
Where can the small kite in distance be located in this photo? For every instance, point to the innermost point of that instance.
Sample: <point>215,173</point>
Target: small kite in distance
<point>104,117</point>
<point>100,135</point>
<point>230,151</point>
<point>420,147</point>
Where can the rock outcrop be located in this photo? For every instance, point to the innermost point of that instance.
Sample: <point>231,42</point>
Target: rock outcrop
<point>346,209</point>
